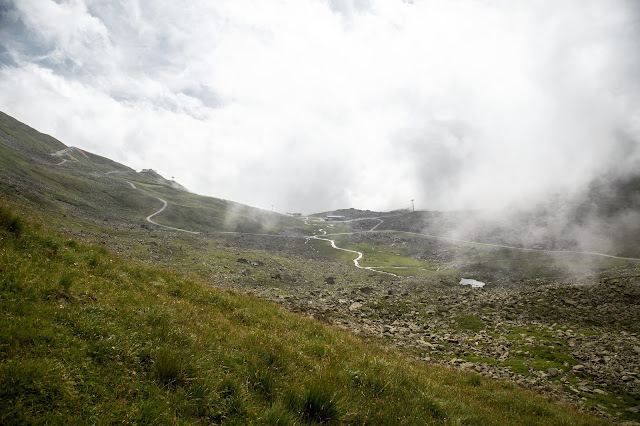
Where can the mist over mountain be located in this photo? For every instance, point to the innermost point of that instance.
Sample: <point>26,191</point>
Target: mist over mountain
<point>316,105</point>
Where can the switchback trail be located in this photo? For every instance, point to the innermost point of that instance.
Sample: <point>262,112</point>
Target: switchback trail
<point>165,226</point>
<point>68,150</point>
<point>356,261</point>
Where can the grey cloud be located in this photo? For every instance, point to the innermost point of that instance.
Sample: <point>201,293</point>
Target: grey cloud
<point>338,103</point>
<point>208,96</point>
<point>438,155</point>
<point>16,40</point>
<point>347,8</point>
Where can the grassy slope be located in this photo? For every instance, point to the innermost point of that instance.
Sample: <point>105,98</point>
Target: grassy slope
<point>88,184</point>
<point>87,337</point>
<point>30,171</point>
<point>37,142</point>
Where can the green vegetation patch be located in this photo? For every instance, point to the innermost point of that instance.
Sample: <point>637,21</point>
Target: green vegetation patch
<point>386,259</point>
<point>324,248</point>
<point>540,357</point>
<point>379,255</point>
<point>469,322</point>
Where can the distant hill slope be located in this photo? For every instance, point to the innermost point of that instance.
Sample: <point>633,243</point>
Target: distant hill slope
<point>350,213</point>
<point>604,219</point>
<point>68,180</point>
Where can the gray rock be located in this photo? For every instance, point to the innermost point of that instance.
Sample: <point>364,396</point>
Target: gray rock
<point>553,372</point>
<point>355,306</point>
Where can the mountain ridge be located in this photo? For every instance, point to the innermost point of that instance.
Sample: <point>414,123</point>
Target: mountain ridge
<point>85,181</point>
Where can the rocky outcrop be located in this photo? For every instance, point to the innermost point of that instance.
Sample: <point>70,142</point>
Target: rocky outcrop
<point>580,343</point>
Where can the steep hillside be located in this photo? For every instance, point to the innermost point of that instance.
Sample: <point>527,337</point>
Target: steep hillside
<point>68,180</point>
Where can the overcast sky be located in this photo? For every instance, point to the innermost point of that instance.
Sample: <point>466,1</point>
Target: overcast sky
<point>311,105</point>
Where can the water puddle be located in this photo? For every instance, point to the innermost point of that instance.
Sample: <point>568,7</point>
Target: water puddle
<point>472,283</point>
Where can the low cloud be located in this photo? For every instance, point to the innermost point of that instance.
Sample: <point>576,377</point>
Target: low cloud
<point>313,105</point>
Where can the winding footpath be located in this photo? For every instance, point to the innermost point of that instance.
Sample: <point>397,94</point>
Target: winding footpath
<point>165,226</point>
<point>356,261</point>
<point>164,203</point>
<point>378,224</point>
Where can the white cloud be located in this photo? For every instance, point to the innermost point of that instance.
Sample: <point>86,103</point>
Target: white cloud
<point>312,105</point>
